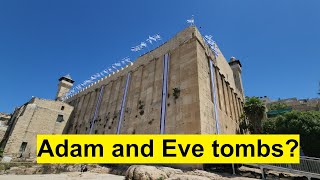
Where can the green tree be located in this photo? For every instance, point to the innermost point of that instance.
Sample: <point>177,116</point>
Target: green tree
<point>307,124</point>
<point>254,111</point>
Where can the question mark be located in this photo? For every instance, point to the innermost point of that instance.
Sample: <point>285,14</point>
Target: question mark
<point>294,147</point>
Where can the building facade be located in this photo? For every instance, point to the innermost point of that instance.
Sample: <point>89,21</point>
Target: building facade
<point>38,116</point>
<point>180,87</point>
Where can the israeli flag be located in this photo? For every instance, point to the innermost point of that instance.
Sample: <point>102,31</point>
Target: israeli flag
<point>135,49</point>
<point>155,37</point>
<point>152,38</point>
<point>149,40</point>
<point>143,45</point>
<point>127,59</point>
<point>191,21</point>
<point>117,64</point>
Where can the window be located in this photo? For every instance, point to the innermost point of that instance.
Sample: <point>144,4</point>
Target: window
<point>62,108</point>
<point>22,148</point>
<point>60,118</point>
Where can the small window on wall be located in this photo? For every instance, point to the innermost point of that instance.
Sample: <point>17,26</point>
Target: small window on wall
<point>60,118</point>
<point>23,147</point>
<point>62,108</point>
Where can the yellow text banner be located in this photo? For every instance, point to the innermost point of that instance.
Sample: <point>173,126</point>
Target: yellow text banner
<point>168,149</point>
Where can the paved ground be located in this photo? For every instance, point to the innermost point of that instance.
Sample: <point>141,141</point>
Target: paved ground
<point>64,176</point>
<point>86,176</point>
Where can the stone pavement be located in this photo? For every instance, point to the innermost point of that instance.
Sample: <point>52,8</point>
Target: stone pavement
<point>64,176</point>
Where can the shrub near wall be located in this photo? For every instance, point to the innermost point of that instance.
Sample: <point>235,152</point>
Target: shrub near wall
<point>307,124</point>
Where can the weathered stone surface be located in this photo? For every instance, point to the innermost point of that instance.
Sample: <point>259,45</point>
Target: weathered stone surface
<point>6,159</point>
<point>102,170</point>
<point>73,168</point>
<point>188,177</point>
<point>170,171</point>
<point>137,172</point>
<point>204,174</point>
<point>248,174</point>
<point>31,170</point>
<point>16,170</point>
<point>38,116</point>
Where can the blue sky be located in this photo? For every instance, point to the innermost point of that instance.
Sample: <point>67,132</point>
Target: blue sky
<point>278,42</point>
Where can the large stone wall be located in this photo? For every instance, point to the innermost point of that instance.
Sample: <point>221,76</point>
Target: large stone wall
<point>38,116</point>
<point>190,113</point>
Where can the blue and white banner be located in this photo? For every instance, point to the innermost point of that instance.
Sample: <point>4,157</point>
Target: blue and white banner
<point>212,44</point>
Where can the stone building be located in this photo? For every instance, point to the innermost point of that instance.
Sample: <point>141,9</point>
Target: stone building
<point>300,104</point>
<point>281,106</point>
<point>180,87</point>
<point>38,116</point>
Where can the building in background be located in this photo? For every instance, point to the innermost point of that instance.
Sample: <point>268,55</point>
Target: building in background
<point>280,106</point>
<point>38,116</point>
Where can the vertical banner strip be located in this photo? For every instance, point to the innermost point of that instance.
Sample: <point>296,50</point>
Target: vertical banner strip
<point>96,110</point>
<point>164,93</point>
<point>213,91</point>
<point>125,92</point>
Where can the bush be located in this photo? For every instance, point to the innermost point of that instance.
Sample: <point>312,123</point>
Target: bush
<point>307,124</point>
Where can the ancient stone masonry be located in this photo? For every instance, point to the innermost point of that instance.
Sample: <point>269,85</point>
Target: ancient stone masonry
<point>38,116</point>
<point>168,90</point>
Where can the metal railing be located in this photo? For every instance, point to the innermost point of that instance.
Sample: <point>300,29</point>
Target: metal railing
<point>309,167</point>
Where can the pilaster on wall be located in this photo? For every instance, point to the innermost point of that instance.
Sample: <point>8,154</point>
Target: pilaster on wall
<point>226,106</point>
<point>131,114</point>
<point>123,102</point>
<point>207,111</point>
<point>183,112</point>
<point>164,93</point>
